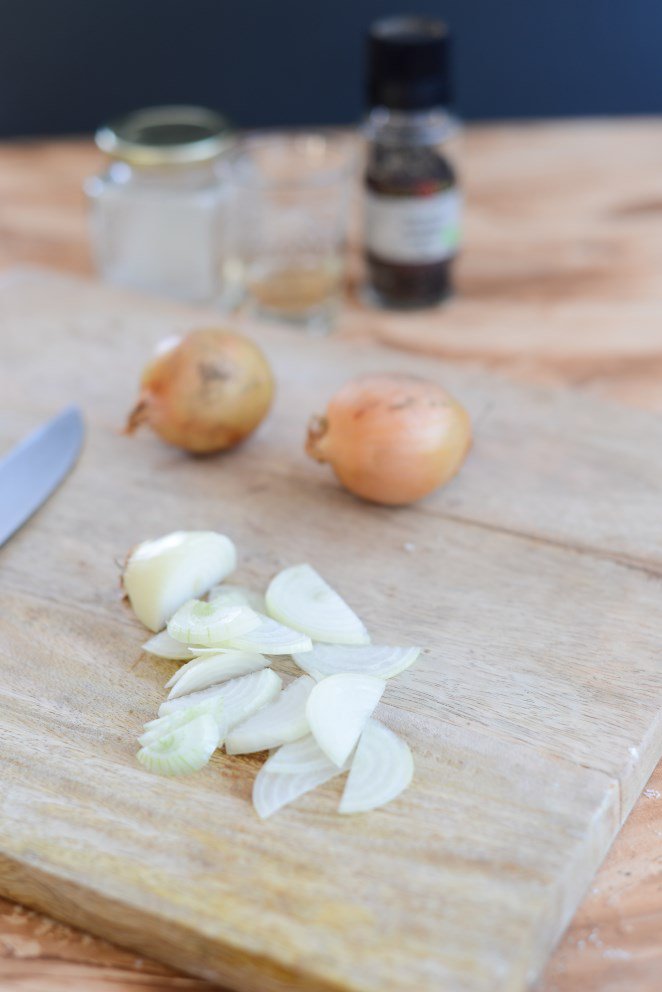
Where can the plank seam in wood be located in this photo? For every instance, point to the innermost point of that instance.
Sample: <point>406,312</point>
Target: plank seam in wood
<point>634,564</point>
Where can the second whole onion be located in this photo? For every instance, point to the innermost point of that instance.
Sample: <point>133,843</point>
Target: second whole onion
<point>391,438</point>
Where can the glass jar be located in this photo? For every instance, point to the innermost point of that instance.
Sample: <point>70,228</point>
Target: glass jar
<point>159,212</point>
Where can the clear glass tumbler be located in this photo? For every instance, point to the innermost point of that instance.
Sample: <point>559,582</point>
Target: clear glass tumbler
<point>291,199</point>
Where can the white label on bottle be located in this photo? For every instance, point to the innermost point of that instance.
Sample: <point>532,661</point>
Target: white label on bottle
<point>413,229</point>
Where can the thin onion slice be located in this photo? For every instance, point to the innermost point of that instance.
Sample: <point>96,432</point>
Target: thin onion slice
<point>273,790</point>
<point>300,598</point>
<point>270,637</point>
<point>298,758</point>
<point>164,646</point>
<point>183,751</point>
<point>201,673</point>
<point>282,721</point>
<point>337,711</point>
<point>193,661</point>
<point>241,697</point>
<point>162,575</point>
<point>232,595</point>
<point>382,768</point>
<point>366,659</point>
<point>211,624</point>
<point>164,725</point>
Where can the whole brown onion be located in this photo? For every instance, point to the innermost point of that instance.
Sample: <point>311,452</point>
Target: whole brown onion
<point>204,392</point>
<point>391,439</point>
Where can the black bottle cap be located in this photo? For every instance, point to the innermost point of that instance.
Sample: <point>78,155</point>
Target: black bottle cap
<point>408,63</point>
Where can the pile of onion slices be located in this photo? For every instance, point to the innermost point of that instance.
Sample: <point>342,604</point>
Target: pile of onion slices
<point>320,725</point>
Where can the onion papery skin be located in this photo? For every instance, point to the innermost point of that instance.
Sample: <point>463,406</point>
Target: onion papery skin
<point>391,439</point>
<point>205,392</point>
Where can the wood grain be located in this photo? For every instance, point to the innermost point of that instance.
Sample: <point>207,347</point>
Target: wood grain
<point>534,713</point>
<point>564,241</point>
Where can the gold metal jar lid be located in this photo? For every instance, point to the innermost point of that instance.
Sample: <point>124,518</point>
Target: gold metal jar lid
<point>161,136</point>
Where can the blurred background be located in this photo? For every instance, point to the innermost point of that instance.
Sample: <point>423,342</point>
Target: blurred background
<point>66,65</point>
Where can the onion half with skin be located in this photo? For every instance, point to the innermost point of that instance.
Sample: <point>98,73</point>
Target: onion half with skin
<point>391,439</point>
<point>163,574</point>
<point>205,392</point>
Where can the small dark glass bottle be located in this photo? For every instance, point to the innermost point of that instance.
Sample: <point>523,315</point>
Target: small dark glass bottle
<point>412,202</point>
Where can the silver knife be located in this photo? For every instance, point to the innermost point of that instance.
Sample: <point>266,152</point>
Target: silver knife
<point>37,466</point>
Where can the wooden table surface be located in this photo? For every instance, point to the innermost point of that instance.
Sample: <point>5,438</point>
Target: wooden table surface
<point>561,281</point>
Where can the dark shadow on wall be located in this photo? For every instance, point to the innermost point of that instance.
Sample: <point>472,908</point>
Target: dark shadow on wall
<point>66,65</point>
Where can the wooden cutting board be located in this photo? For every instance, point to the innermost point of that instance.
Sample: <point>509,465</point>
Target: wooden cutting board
<point>534,581</point>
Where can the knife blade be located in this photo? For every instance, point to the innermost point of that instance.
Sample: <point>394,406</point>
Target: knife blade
<point>36,466</point>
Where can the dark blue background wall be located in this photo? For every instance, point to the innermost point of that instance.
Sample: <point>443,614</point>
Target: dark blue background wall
<point>65,65</point>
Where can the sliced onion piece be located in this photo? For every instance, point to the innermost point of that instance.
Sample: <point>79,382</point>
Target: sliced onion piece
<point>298,758</point>
<point>300,598</point>
<point>382,768</point>
<point>211,624</point>
<point>232,595</point>
<point>282,721</point>
<point>273,790</point>
<point>241,697</point>
<point>270,637</point>
<point>164,646</point>
<point>366,659</point>
<point>337,711</point>
<point>192,661</point>
<point>201,673</point>
<point>166,724</point>
<point>162,575</point>
<point>185,750</point>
